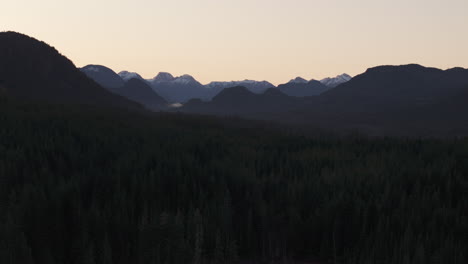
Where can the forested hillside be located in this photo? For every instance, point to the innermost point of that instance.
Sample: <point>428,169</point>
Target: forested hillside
<point>32,70</point>
<point>100,186</point>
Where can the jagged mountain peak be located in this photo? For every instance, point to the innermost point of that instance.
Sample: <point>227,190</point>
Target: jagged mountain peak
<point>163,77</point>
<point>185,79</point>
<point>298,80</point>
<point>126,75</point>
<point>335,81</point>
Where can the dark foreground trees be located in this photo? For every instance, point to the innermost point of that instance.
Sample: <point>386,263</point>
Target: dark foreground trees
<point>89,186</point>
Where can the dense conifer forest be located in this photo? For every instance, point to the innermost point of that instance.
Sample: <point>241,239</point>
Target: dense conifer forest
<point>102,186</point>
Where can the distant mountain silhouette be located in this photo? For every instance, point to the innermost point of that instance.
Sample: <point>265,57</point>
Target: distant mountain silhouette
<point>240,101</point>
<point>298,80</point>
<point>390,87</point>
<point>172,89</point>
<point>140,91</point>
<point>407,99</point>
<point>335,81</point>
<point>135,89</point>
<point>163,77</point>
<point>104,76</point>
<point>183,88</point>
<point>126,76</point>
<point>253,86</point>
<point>178,89</point>
<point>298,88</point>
<point>34,71</point>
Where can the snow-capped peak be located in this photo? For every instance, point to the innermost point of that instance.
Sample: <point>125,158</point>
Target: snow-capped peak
<point>298,80</point>
<point>335,81</point>
<point>345,77</point>
<point>184,79</point>
<point>125,75</point>
<point>163,77</point>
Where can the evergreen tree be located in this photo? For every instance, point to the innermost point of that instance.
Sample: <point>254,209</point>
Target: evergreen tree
<point>199,233</point>
<point>88,185</point>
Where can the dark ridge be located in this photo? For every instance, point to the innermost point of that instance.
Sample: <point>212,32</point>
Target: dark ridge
<point>386,100</point>
<point>139,91</point>
<point>274,92</point>
<point>104,76</point>
<point>34,71</point>
<point>233,93</point>
<point>311,88</point>
<point>409,68</point>
<point>135,89</point>
<point>240,101</point>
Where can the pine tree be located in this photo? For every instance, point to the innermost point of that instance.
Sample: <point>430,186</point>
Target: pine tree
<point>13,244</point>
<point>218,255</point>
<point>232,252</point>
<point>199,233</point>
<point>89,256</point>
<point>3,94</point>
<point>106,253</point>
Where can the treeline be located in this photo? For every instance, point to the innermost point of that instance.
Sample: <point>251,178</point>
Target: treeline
<point>101,186</point>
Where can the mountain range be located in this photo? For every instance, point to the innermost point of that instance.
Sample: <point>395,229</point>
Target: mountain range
<point>301,88</point>
<point>384,99</point>
<point>178,89</point>
<point>405,99</point>
<point>125,75</point>
<point>251,85</point>
<point>183,88</point>
<point>240,101</point>
<point>335,81</point>
<point>135,89</point>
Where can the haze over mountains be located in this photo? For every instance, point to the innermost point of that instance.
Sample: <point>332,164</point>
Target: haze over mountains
<point>335,81</point>
<point>239,101</point>
<point>135,89</point>
<point>402,99</point>
<point>184,88</point>
<point>251,85</point>
<point>125,75</point>
<point>299,88</point>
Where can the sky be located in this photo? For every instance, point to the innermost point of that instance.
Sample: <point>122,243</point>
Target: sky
<point>224,40</point>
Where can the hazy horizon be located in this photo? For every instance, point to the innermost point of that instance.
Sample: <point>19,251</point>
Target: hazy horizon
<point>258,39</point>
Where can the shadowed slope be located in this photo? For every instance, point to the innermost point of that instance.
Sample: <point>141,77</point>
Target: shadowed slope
<point>104,76</point>
<point>34,71</point>
<point>301,89</point>
<point>139,91</point>
<point>240,101</point>
<point>135,89</point>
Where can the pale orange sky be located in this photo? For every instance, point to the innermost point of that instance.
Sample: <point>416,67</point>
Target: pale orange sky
<point>224,40</point>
